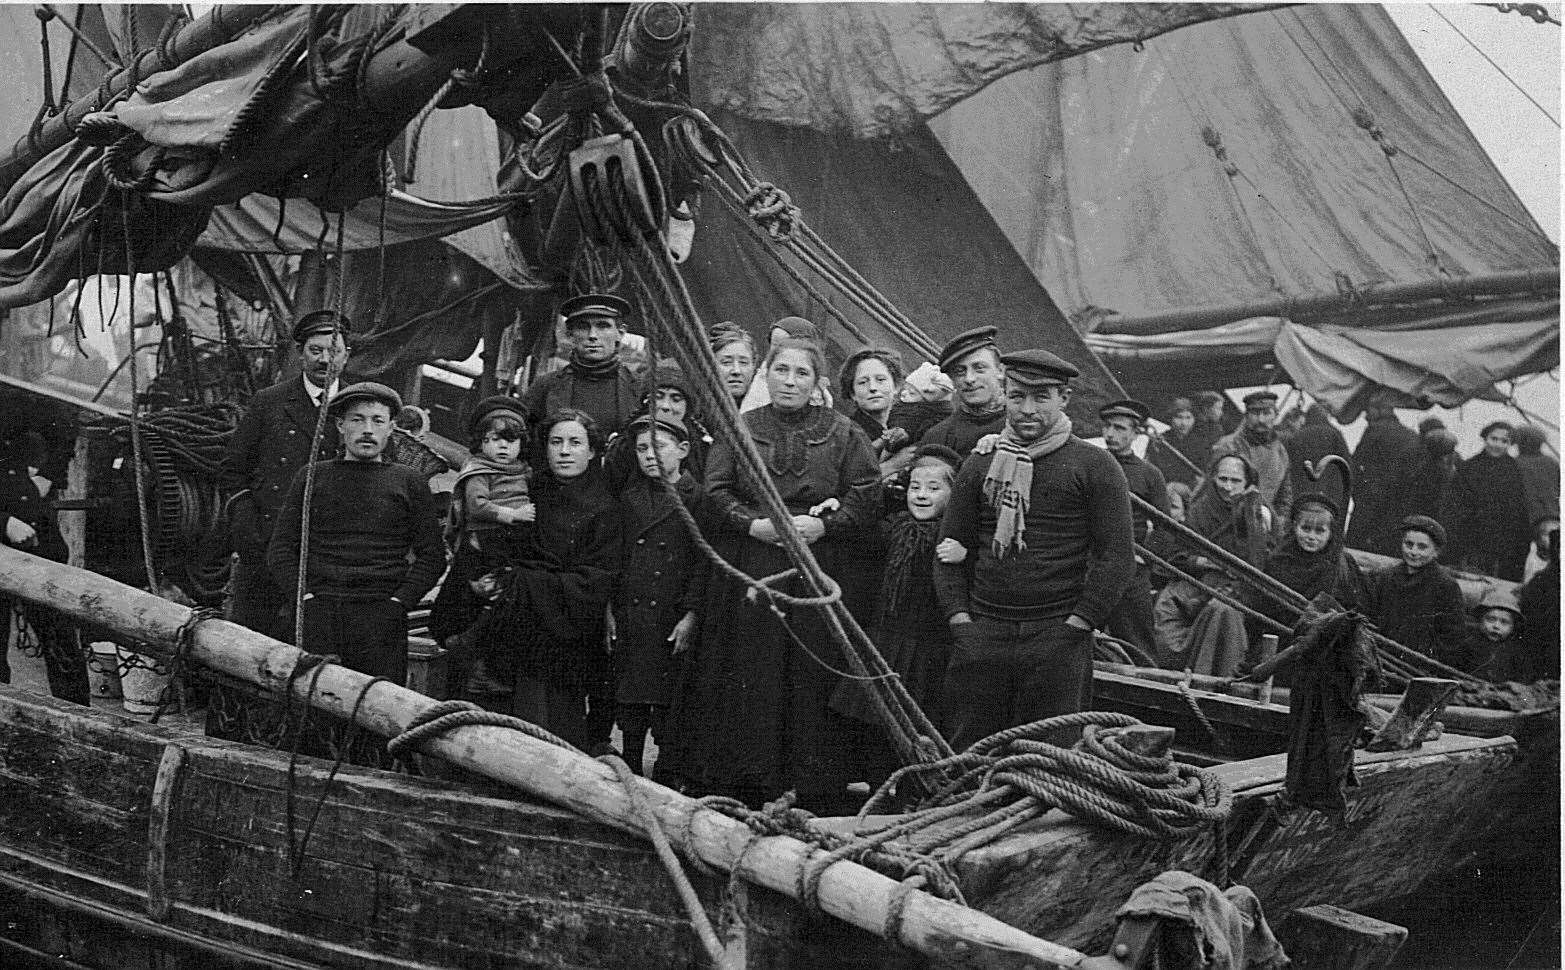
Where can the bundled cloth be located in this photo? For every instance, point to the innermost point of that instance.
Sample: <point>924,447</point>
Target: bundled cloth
<point>1335,666</point>
<point>1207,927</point>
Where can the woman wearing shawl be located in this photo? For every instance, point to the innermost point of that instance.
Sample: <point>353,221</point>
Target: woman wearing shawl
<point>1193,629</point>
<point>548,635</point>
<point>751,718</point>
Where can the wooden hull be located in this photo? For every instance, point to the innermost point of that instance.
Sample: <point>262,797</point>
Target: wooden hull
<point>401,872</point>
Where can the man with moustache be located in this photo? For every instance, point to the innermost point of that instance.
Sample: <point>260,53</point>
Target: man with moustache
<point>1045,519</point>
<point>272,442</point>
<point>375,546</point>
<point>1256,441</point>
<point>594,381</point>
<point>972,361</point>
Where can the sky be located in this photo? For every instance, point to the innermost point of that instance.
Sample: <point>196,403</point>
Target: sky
<point>1520,138</point>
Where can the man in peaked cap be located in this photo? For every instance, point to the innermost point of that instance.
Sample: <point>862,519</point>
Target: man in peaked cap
<point>1123,421</point>
<point>1045,518</point>
<point>374,548</point>
<point>972,361</point>
<point>595,380</point>
<point>1257,442</point>
<point>272,442</point>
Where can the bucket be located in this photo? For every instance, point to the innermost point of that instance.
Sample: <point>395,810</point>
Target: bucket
<point>141,684</point>
<point>103,673</point>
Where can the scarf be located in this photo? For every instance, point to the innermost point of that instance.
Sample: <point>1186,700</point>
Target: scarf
<point>475,466</point>
<point>1008,486</point>
<point>593,371</point>
<point>909,543</point>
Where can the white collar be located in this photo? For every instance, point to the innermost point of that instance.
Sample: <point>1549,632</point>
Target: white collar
<point>316,393</point>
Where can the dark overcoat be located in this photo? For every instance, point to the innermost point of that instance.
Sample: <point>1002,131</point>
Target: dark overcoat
<point>662,578</point>
<point>268,448</point>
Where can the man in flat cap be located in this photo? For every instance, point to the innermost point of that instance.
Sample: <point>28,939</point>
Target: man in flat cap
<point>374,548</point>
<point>595,380</point>
<point>272,442</point>
<point>972,361</point>
<point>1045,518</point>
<point>1257,442</point>
<point>1123,421</point>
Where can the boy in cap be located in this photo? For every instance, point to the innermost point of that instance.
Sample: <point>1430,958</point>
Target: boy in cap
<point>1257,442</point>
<point>1131,620</point>
<point>595,380</point>
<point>1494,649</point>
<point>661,585</point>
<point>375,545</point>
<point>1416,602</point>
<point>1046,518</point>
<point>972,361</point>
<point>273,441</point>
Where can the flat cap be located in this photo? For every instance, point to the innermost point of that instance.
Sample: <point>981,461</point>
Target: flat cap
<point>1037,368</point>
<point>364,391</point>
<point>798,328</point>
<point>497,404</point>
<point>1256,399</point>
<point>965,343</point>
<point>1134,410</point>
<point>669,425</point>
<point>1424,524</point>
<point>320,321</point>
<point>594,305</point>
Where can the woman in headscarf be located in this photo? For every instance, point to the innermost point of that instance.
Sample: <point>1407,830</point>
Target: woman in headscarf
<point>1193,629</point>
<point>1485,510</point>
<point>751,717</point>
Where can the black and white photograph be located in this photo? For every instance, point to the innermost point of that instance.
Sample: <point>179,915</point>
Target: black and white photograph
<point>780,486</point>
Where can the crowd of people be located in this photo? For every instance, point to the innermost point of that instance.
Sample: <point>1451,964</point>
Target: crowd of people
<point>601,545</point>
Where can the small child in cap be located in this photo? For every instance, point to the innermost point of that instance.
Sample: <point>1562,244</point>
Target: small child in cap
<point>490,496</point>
<point>1493,648</point>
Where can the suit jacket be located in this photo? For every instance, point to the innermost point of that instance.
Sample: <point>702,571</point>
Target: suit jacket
<point>270,446</point>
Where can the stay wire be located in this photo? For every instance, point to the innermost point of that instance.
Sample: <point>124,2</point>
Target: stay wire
<point>1436,11</point>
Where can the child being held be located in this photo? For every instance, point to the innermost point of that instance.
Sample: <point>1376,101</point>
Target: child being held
<point>1493,649</point>
<point>490,497</point>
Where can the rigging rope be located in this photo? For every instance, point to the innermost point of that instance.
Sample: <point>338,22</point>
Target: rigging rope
<point>1436,11</point>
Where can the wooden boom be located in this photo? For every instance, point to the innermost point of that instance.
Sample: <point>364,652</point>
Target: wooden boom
<point>953,935</point>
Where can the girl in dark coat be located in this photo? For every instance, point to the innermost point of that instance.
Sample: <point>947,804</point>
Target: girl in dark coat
<point>662,581</point>
<point>751,719</point>
<point>548,637</point>
<point>1485,510</point>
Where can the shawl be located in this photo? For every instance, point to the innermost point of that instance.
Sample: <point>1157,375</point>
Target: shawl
<point>909,543</point>
<point>1008,485</point>
<point>475,466</point>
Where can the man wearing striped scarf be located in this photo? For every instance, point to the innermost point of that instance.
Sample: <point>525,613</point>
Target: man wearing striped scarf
<point>1046,520</point>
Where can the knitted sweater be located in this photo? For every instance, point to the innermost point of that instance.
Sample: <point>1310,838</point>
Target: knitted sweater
<point>1078,557</point>
<point>366,517</point>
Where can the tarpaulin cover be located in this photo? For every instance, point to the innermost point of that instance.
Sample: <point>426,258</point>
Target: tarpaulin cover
<point>1104,172</point>
<point>458,157</point>
<point>874,69</point>
<point>905,218</point>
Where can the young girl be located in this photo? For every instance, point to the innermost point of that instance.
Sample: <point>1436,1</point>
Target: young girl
<point>911,628</point>
<point>489,498</point>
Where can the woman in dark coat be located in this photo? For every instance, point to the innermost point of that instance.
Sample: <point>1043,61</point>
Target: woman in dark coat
<point>1485,510</point>
<point>751,719</point>
<point>661,584</point>
<point>548,637</point>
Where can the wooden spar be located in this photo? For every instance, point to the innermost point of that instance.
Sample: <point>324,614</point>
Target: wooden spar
<point>1544,280</point>
<point>197,37</point>
<point>951,934</point>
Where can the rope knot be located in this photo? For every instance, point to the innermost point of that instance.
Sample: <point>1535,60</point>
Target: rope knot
<point>773,210</point>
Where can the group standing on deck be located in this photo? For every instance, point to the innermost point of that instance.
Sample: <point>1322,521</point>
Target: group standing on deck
<point>593,537</point>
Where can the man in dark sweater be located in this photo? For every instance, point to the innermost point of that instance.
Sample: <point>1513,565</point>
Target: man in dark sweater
<point>1131,620</point>
<point>972,361</point>
<point>594,381</point>
<point>1045,520</point>
<point>375,545</point>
